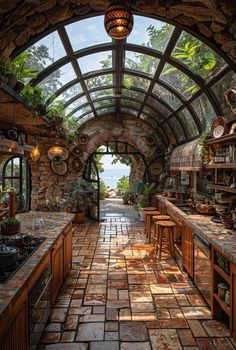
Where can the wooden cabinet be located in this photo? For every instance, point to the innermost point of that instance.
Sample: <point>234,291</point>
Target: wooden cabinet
<point>67,248</point>
<point>14,329</point>
<point>187,249</point>
<point>57,268</point>
<point>233,300</point>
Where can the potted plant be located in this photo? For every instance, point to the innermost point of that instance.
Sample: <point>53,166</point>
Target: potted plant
<point>128,197</point>
<point>35,98</point>
<point>17,73</point>
<point>56,112</point>
<point>82,196</point>
<point>144,191</point>
<point>10,226</point>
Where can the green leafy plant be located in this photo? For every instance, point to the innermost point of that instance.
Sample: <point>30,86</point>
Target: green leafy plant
<point>82,195</point>
<point>123,183</point>
<point>144,191</point>
<point>10,221</point>
<point>17,66</point>
<point>56,109</point>
<point>202,144</point>
<point>33,96</point>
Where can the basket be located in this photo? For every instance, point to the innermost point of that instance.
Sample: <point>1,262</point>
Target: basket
<point>205,209</point>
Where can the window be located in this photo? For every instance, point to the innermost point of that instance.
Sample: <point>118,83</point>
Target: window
<point>16,172</point>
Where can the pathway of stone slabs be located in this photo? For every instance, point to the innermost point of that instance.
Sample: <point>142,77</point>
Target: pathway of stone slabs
<point>118,295</point>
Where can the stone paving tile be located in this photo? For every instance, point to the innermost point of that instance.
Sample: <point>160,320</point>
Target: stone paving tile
<point>119,296</point>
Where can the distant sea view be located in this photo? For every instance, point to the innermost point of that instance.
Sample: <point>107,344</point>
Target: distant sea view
<point>111,176</point>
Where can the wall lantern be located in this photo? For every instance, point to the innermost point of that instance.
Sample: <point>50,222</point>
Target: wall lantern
<point>35,154</point>
<point>55,151</point>
<point>118,21</point>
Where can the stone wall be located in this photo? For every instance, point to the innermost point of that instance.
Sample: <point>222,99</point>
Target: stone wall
<point>98,131</point>
<point>22,21</point>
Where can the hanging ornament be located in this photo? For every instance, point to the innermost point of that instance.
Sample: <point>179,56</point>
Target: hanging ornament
<point>35,154</point>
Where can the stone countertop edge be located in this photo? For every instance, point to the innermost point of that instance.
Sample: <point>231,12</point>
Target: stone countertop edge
<point>224,240</point>
<point>11,290</point>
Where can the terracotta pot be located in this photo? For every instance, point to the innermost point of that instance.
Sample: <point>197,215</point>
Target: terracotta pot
<point>79,218</point>
<point>170,194</point>
<point>11,229</point>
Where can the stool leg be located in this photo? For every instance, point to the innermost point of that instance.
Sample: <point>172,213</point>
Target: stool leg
<point>149,228</point>
<point>172,242</point>
<point>145,227</point>
<point>155,231</point>
<point>169,240</point>
<point>160,243</point>
<point>157,237</point>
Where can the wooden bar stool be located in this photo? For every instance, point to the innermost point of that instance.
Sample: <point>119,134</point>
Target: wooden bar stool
<point>148,221</point>
<point>169,227</point>
<point>155,219</point>
<point>149,208</point>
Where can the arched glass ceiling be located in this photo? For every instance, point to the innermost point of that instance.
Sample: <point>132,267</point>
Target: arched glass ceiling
<point>165,76</point>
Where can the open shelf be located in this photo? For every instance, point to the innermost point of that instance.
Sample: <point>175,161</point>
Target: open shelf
<point>222,188</point>
<point>221,166</point>
<point>221,273</point>
<point>226,139</point>
<point>222,304</point>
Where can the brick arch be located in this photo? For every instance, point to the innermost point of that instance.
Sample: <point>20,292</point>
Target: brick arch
<point>22,21</point>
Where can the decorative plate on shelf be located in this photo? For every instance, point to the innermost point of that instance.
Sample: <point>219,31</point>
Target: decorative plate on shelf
<point>77,151</point>
<point>77,164</point>
<point>218,131</point>
<point>156,168</point>
<point>83,139</point>
<point>59,169</point>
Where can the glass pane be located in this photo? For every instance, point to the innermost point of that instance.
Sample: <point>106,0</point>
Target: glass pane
<point>57,79</point>
<point>135,81</point>
<point>169,133</point>
<point>150,32</point>
<point>45,51</point>
<point>105,110</point>
<point>149,111</point>
<point>198,57</point>
<point>179,81</point>
<point>188,122</point>
<point>77,103</point>
<point>133,94</point>
<point>204,111</point>
<point>177,129</point>
<point>69,93</point>
<point>149,119</point>
<point>220,88</point>
<point>103,103</point>
<point>101,93</point>
<point>141,62</point>
<point>166,96</point>
<point>129,111</point>
<point>85,118</point>
<point>81,111</point>
<point>162,135</point>
<point>95,61</point>
<point>130,103</point>
<point>87,32</point>
<point>159,107</point>
<point>99,81</point>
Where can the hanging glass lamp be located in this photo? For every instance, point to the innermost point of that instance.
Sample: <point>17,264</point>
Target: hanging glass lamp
<point>118,21</point>
<point>35,154</point>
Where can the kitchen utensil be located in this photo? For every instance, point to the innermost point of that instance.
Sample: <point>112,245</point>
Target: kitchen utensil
<point>222,289</point>
<point>8,255</point>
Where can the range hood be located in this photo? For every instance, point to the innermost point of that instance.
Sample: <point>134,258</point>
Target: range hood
<point>9,147</point>
<point>187,157</point>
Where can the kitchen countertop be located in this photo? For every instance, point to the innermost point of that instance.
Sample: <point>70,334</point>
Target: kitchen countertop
<point>54,225</point>
<point>224,240</point>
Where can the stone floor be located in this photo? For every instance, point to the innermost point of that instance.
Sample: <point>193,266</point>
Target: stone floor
<point>118,295</point>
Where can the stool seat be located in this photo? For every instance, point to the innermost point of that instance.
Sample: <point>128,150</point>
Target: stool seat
<point>148,222</point>
<point>161,217</point>
<point>168,226</point>
<point>157,218</point>
<point>149,208</point>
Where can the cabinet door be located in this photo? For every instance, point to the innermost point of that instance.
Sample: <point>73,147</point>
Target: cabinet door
<point>15,337</point>
<point>57,268</point>
<point>187,249</point>
<point>233,300</point>
<point>67,249</point>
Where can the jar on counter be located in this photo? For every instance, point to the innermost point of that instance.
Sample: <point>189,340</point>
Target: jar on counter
<point>227,298</point>
<point>222,289</point>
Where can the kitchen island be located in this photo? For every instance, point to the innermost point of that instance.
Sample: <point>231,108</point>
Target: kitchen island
<point>55,252</point>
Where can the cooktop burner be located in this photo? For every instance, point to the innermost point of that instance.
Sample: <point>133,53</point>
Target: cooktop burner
<point>26,245</point>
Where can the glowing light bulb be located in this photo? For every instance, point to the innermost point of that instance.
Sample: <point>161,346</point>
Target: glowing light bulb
<point>35,154</point>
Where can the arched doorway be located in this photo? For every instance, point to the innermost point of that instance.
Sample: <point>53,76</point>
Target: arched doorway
<point>91,172</point>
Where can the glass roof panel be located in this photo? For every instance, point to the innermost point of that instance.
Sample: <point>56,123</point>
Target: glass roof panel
<point>160,107</point>
<point>188,122</point>
<point>86,118</point>
<point>69,93</point>
<point>140,62</point>
<point>81,111</point>
<point>162,135</point>
<point>220,88</point>
<point>133,94</point>
<point>169,133</point>
<point>105,110</point>
<point>204,110</point>
<point>150,32</point>
<point>101,93</point>
<point>78,102</point>
<point>149,111</point>
<point>179,81</point>
<point>104,103</point>
<point>45,51</point>
<point>57,79</point>
<point>197,56</point>
<point>129,111</point>
<point>178,129</point>
<point>99,81</point>
<point>87,32</point>
<point>130,103</point>
<point>148,119</point>
<point>135,81</point>
<point>96,61</point>
<point>166,96</point>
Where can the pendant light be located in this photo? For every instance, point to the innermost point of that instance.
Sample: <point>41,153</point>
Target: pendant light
<point>118,20</point>
<point>35,154</point>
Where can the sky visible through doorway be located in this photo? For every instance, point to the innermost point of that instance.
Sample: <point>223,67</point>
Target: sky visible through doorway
<point>113,172</point>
